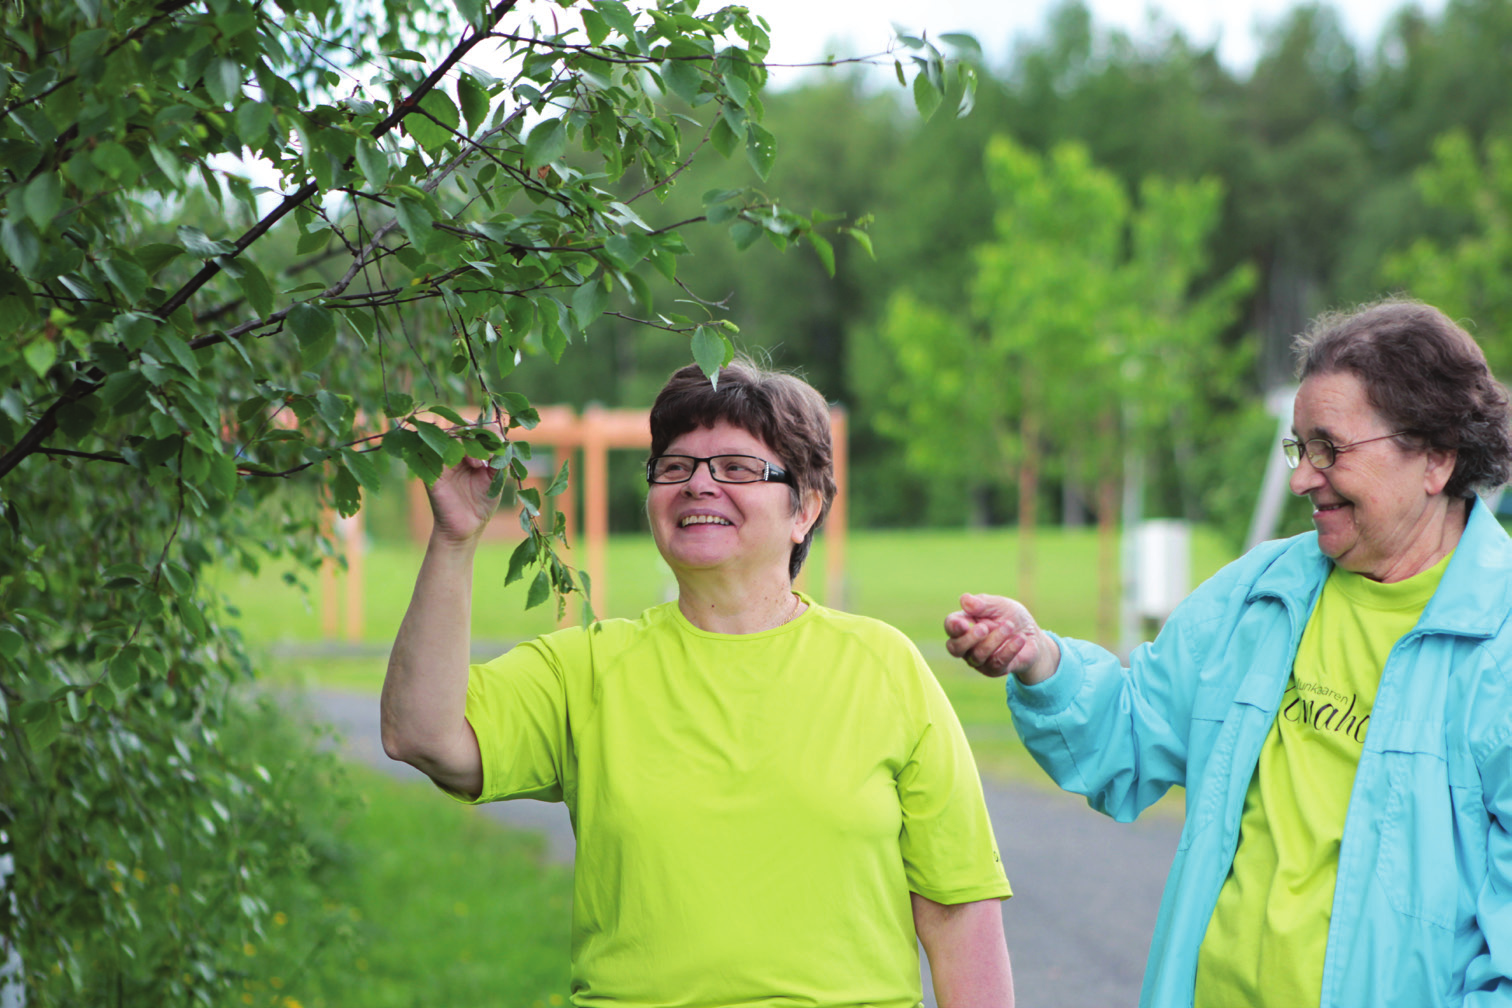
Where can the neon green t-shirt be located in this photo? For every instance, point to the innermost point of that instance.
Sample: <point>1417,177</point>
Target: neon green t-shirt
<point>1265,943</point>
<point>751,811</point>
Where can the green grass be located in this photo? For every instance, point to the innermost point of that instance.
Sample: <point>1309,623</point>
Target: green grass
<point>431,904</point>
<point>910,579</point>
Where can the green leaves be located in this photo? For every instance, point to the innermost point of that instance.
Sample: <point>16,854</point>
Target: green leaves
<point>926,95</point>
<point>547,142</point>
<point>19,242</point>
<point>201,245</point>
<point>127,277</point>
<point>374,164</point>
<point>223,80</point>
<point>761,149</point>
<point>418,223</point>
<point>314,328</point>
<point>255,287</point>
<point>42,197</point>
<point>192,362</point>
<point>435,125</point>
<point>712,351</point>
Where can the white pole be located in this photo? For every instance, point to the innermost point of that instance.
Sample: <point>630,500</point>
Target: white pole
<point>12,983</point>
<point>1273,490</point>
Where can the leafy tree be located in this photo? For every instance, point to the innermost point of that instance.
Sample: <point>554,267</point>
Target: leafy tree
<point>249,255</point>
<point>1086,335</point>
<point>1466,276</point>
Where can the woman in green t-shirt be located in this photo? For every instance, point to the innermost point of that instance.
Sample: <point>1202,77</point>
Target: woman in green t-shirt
<point>772,800</point>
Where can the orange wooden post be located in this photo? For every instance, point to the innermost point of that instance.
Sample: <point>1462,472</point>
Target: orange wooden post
<point>596,503</point>
<point>419,512</point>
<point>352,535</point>
<point>341,596</point>
<point>604,429</point>
<point>330,593</point>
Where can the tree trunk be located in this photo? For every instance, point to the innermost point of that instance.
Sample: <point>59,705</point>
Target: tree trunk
<point>1029,469</point>
<point>1108,583</point>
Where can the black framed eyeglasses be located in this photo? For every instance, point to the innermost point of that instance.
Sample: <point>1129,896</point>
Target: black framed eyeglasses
<point>1322,453</point>
<point>724,469</point>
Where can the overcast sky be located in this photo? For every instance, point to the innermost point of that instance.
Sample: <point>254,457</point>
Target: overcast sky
<point>801,29</point>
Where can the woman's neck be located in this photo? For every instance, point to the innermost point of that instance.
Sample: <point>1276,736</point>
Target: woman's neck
<point>1443,529</point>
<point>738,608</point>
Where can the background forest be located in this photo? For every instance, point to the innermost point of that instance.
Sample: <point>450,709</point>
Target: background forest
<point>1327,174</point>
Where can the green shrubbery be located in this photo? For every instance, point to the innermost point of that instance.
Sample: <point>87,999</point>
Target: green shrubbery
<point>193,850</point>
<point>328,886</point>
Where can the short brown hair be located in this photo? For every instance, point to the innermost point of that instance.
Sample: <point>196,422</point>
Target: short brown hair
<point>783,410</point>
<point>1425,375</point>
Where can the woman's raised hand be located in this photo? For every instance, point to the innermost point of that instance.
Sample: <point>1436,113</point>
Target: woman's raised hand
<point>461,503</point>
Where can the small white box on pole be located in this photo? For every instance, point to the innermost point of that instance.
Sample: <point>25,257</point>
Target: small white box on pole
<point>1162,549</point>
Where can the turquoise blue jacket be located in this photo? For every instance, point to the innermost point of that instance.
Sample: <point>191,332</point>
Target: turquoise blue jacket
<point>1422,910</point>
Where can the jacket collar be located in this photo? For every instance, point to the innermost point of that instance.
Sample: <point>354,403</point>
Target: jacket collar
<point>1476,593</point>
<point>1473,599</point>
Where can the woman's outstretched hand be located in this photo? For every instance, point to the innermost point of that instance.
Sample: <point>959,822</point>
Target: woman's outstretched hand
<point>996,636</point>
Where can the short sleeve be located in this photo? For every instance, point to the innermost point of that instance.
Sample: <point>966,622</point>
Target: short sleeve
<point>517,706</point>
<point>949,852</point>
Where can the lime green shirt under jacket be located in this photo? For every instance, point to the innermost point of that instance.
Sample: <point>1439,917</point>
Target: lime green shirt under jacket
<point>1264,945</point>
<point>751,811</point>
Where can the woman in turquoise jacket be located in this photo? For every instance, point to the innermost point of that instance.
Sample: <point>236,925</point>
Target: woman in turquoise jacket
<point>1338,705</point>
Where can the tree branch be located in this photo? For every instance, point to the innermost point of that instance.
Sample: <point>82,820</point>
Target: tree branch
<point>87,385</point>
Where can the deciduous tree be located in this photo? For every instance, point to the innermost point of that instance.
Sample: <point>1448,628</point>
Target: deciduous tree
<point>249,253</point>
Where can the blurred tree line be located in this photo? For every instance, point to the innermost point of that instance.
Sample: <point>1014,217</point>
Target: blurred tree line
<point>1337,173</point>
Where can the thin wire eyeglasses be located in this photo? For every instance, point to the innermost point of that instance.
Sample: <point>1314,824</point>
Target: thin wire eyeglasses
<point>1321,452</point>
<point>724,469</point>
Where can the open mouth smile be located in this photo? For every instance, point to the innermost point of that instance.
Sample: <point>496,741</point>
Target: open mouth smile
<point>703,520</point>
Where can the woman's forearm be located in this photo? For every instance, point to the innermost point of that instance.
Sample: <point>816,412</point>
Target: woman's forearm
<point>968,955</point>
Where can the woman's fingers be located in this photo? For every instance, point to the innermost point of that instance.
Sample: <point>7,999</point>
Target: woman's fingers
<point>993,634</point>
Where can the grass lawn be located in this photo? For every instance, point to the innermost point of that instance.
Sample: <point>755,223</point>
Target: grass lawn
<point>433,904</point>
<point>908,578</point>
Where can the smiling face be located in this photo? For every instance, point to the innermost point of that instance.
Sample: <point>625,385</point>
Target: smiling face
<point>1380,508</point>
<point>742,528</point>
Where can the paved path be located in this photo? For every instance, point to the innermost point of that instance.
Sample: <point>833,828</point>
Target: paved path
<point>1085,888</point>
